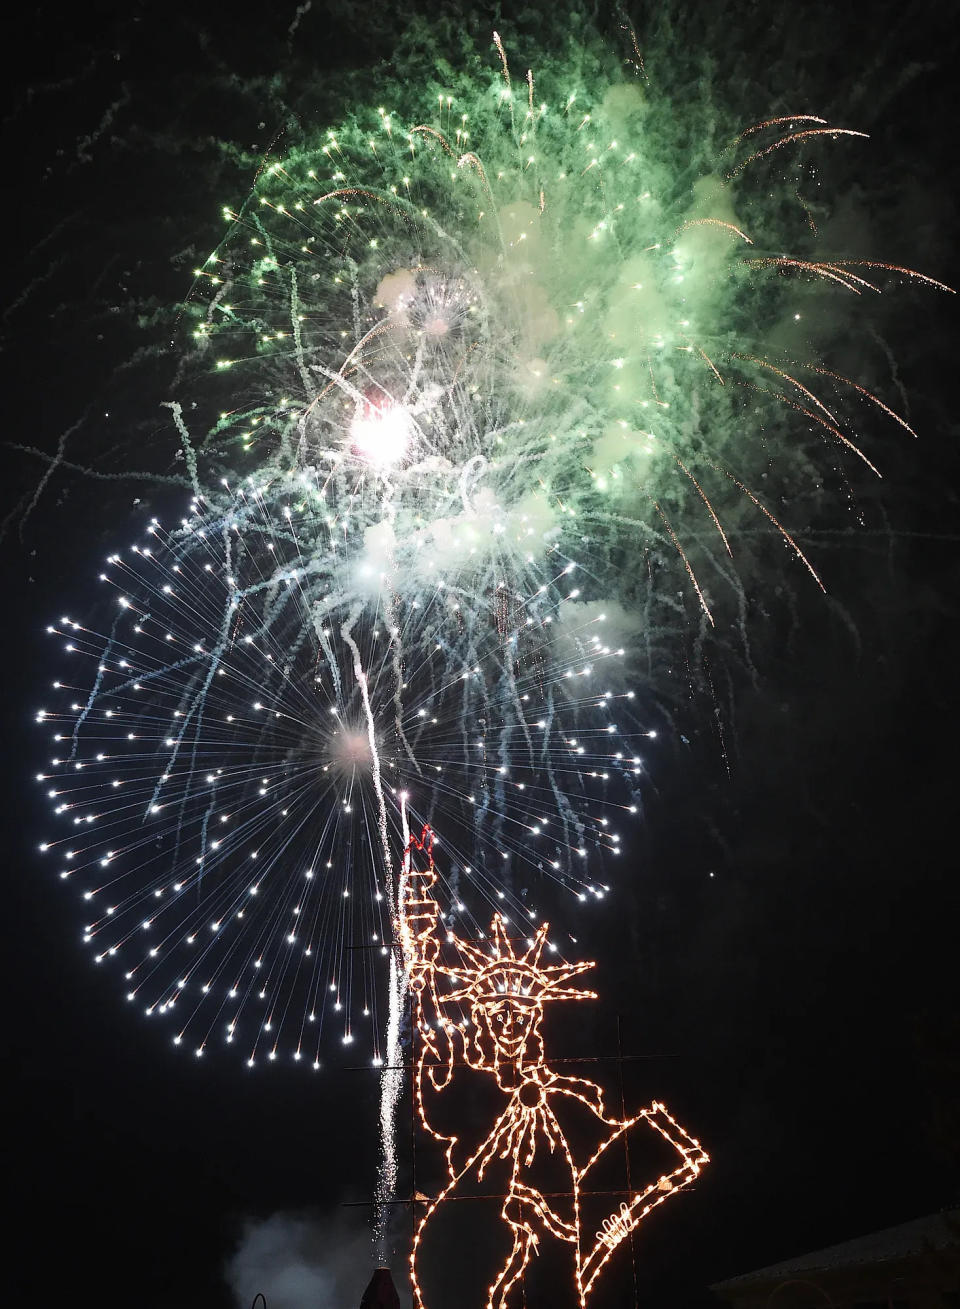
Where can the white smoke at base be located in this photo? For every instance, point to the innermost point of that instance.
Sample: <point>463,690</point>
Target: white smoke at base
<point>296,1260</point>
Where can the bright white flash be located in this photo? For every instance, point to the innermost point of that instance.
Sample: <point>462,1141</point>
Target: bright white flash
<point>382,435</point>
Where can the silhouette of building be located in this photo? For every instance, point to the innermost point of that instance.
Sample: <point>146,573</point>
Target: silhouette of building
<point>913,1266</point>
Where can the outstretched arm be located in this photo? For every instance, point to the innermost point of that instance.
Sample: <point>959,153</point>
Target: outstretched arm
<point>631,1213</point>
<point>419,913</point>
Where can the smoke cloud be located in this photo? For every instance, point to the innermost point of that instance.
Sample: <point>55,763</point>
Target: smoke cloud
<point>302,1261</point>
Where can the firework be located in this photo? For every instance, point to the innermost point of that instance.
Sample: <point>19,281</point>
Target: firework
<point>504,290</point>
<point>229,755</point>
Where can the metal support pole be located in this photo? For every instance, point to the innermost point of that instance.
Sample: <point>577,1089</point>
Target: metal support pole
<point>626,1155</point>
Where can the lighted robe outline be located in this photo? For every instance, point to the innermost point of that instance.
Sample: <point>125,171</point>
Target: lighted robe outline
<point>505,991</point>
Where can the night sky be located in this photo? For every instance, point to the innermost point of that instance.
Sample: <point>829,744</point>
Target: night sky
<point>783,952</point>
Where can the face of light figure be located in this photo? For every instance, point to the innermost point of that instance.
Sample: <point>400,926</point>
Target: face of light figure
<point>381,434</point>
<point>511,1028</point>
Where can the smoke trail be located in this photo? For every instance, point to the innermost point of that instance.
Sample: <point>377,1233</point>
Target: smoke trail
<point>390,1081</point>
<point>346,632</point>
<point>390,1086</point>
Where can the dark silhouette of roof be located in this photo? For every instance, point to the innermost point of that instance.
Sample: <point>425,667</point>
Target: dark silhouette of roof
<point>939,1231</point>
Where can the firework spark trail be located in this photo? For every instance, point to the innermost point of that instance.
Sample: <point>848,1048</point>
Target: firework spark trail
<point>686,563</point>
<point>390,1077</point>
<point>862,390</point>
<point>775,122</point>
<point>346,632</point>
<point>791,139</point>
<point>391,1085</point>
<point>710,509</point>
<point>781,529</point>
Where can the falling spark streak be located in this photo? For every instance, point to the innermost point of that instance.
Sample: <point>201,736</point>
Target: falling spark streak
<point>775,122</point>
<point>847,381</point>
<point>816,418</point>
<point>892,268</point>
<point>474,162</point>
<point>424,130</point>
<point>503,58</point>
<point>367,195</point>
<point>796,136</point>
<point>714,222</point>
<point>829,427</point>
<point>706,359</point>
<point>686,563</point>
<point>703,496</point>
<point>637,60</point>
<point>778,525</point>
<point>763,363</point>
<point>825,271</point>
<point>828,267</point>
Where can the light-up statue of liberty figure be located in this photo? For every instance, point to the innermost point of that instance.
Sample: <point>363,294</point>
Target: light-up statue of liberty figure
<point>483,1015</point>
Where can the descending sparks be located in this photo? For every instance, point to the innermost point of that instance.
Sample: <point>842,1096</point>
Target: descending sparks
<point>893,268</point>
<point>874,400</point>
<point>782,530</point>
<point>791,139</point>
<point>686,563</point>
<point>700,491</point>
<point>718,223</point>
<point>778,122</point>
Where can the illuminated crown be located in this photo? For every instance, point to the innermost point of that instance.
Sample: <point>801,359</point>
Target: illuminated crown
<point>500,971</point>
<point>497,969</point>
